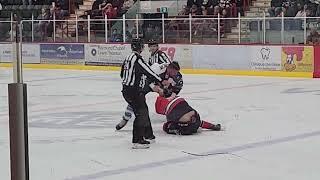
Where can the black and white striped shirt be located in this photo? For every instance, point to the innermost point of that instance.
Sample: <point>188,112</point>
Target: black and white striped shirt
<point>134,70</point>
<point>159,57</point>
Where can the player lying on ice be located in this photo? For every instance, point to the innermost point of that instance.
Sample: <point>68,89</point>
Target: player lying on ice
<point>182,119</point>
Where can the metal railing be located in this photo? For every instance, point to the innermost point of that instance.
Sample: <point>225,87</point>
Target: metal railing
<point>189,29</point>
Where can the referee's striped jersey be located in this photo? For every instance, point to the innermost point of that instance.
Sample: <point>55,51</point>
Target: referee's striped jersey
<point>159,57</point>
<point>133,70</point>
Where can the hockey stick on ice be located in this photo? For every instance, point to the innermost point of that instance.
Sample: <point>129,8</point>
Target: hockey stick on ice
<point>210,154</point>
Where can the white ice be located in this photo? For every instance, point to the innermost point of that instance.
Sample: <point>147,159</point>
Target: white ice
<point>272,129</point>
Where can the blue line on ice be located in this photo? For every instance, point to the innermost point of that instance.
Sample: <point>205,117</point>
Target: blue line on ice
<point>190,158</point>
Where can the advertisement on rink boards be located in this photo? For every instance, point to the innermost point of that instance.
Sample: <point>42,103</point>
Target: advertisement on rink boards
<point>317,61</point>
<point>266,58</point>
<point>106,54</point>
<point>6,52</point>
<point>221,57</point>
<point>114,54</point>
<point>175,52</point>
<point>297,58</point>
<point>235,57</point>
<point>30,53</point>
<point>62,53</point>
<point>179,53</point>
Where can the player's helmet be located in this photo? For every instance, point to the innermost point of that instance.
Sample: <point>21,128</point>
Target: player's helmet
<point>175,65</point>
<point>152,42</point>
<point>137,44</point>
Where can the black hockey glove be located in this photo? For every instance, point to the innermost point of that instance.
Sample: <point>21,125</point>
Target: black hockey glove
<point>167,92</point>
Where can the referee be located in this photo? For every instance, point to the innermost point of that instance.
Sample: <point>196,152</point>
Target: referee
<point>156,56</point>
<point>132,72</point>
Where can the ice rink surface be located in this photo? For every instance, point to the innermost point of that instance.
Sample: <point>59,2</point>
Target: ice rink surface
<point>272,129</point>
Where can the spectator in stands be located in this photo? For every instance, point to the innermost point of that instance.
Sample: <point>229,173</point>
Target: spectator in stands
<point>240,6</point>
<point>64,7</point>
<point>152,31</point>
<point>96,4</point>
<point>215,3</point>
<point>104,4</point>
<point>157,32</point>
<point>224,4</point>
<point>42,27</point>
<point>127,4</point>
<point>39,2</point>
<point>314,37</point>
<point>318,11</point>
<point>117,4</point>
<point>206,6</point>
<point>302,11</point>
<point>95,10</point>
<point>233,9</point>
<point>190,3</point>
<point>228,6</point>
<point>214,25</point>
<point>26,2</point>
<point>3,3</point>
<point>61,9</point>
<point>0,6</point>
<point>109,11</point>
<point>276,6</point>
<point>128,34</point>
<point>184,11</point>
<point>195,11</point>
<point>225,13</point>
<point>279,11</point>
<point>225,23</point>
<point>115,36</point>
<point>198,25</point>
<point>204,11</point>
<point>134,31</point>
<point>312,7</point>
<point>5,29</point>
<point>148,33</point>
<point>47,2</point>
<point>291,9</point>
<point>216,11</point>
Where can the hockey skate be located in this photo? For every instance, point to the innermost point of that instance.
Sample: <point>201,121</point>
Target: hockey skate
<point>151,139</point>
<point>216,127</point>
<point>142,144</point>
<point>121,124</point>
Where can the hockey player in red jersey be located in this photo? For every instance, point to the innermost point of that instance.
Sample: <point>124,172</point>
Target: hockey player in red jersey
<point>182,119</point>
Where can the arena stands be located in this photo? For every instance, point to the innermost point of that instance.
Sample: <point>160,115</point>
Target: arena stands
<point>213,21</point>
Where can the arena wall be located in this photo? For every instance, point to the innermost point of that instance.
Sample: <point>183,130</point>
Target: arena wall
<point>316,73</point>
<point>250,60</point>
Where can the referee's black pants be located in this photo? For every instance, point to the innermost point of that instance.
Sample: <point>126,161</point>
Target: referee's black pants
<point>141,125</point>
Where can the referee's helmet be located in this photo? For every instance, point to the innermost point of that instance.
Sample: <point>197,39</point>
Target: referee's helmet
<point>137,44</point>
<point>152,42</point>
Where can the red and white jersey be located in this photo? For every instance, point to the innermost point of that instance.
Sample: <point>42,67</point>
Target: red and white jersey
<point>165,105</point>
